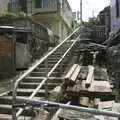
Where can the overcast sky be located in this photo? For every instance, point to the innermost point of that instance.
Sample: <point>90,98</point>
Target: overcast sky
<point>90,7</point>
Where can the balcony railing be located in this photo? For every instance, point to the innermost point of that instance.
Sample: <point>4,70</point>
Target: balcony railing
<point>46,6</point>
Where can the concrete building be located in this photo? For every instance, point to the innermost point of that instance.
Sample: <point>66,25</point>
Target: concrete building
<point>55,14</point>
<point>19,5</point>
<point>115,15</point>
<point>104,19</point>
<point>4,5</point>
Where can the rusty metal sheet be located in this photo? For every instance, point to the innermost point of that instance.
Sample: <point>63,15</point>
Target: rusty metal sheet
<point>7,63</point>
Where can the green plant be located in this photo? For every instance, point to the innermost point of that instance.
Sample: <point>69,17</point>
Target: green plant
<point>92,23</point>
<point>6,14</point>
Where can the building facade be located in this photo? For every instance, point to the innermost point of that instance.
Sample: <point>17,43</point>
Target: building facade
<point>55,14</point>
<point>104,19</point>
<point>4,5</point>
<point>115,15</point>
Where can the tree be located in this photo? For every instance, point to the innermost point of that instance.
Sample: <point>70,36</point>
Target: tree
<point>92,23</point>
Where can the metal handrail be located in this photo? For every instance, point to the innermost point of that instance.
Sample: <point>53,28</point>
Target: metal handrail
<point>32,68</point>
<point>47,77</point>
<point>34,102</point>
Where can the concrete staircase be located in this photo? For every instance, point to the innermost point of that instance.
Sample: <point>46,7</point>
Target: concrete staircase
<point>30,83</point>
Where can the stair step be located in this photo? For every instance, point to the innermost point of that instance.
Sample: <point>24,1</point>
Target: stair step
<point>28,92</point>
<point>7,109</point>
<point>38,80</point>
<point>43,65</point>
<point>44,69</point>
<point>51,65</point>
<point>53,58</point>
<point>49,68</point>
<point>9,117</point>
<point>55,55</point>
<point>33,79</point>
<point>29,84</point>
<point>34,85</point>
<point>44,74</point>
<point>51,61</point>
<point>8,99</point>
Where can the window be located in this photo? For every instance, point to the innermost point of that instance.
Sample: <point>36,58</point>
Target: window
<point>117,8</point>
<point>21,37</point>
<point>47,3</point>
<point>23,5</point>
<point>38,3</point>
<point>44,3</point>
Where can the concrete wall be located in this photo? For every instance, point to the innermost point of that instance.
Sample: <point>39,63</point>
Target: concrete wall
<point>66,13</point>
<point>58,27</point>
<point>58,19</point>
<point>24,61</point>
<point>4,5</point>
<point>56,15</point>
<point>51,7</point>
<point>115,21</point>
<point>7,63</point>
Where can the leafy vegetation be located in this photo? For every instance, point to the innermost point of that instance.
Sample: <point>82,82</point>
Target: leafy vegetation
<point>92,23</point>
<point>6,14</point>
<point>9,14</point>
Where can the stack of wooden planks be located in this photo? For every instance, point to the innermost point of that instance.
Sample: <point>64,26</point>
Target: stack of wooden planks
<point>91,79</point>
<point>91,86</point>
<point>72,74</point>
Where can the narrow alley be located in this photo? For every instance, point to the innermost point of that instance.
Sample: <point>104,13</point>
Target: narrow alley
<point>55,64</point>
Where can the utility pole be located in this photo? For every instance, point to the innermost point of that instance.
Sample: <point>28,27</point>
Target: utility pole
<point>93,13</point>
<point>81,11</point>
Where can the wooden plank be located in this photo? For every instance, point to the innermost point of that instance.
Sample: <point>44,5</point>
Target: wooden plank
<point>96,101</point>
<point>71,71</point>
<point>109,106</point>
<point>100,86</point>
<point>90,76</point>
<point>75,74</point>
<point>83,73</point>
<point>106,105</point>
<point>76,88</point>
<point>83,85</point>
<point>100,74</point>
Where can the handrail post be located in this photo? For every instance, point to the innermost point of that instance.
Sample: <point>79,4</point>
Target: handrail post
<point>46,83</point>
<point>61,65</point>
<point>14,117</point>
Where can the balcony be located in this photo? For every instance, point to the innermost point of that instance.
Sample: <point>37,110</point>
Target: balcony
<point>51,8</point>
<point>43,6</point>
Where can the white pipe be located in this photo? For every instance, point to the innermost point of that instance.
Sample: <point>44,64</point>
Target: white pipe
<point>35,102</point>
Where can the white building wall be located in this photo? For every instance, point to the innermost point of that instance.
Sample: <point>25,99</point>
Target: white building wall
<point>66,13</point>
<point>115,21</point>
<point>4,5</point>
